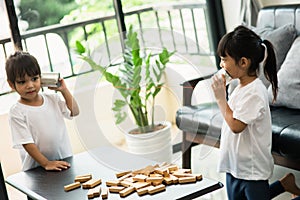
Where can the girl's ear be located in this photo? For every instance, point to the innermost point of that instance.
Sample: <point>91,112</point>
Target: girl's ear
<point>11,85</point>
<point>244,62</point>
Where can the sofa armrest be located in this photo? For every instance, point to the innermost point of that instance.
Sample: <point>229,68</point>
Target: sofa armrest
<point>189,86</point>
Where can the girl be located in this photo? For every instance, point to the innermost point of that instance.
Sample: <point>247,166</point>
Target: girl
<point>246,136</point>
<point>37,119</point>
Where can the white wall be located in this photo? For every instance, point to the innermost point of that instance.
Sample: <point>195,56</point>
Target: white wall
<point>231,13</point>
<point>232,8</point>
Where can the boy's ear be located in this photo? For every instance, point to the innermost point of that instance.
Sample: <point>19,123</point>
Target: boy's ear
<point>11,85</point>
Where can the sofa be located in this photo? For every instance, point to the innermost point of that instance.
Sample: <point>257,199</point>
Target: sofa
<point>201,123</point>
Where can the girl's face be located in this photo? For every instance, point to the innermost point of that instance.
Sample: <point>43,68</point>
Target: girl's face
<point>229,64</point>
<point>235,69</point>
<point>28,88</point>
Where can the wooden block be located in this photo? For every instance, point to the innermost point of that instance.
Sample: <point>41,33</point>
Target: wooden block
<point>83,178</point>
<point>168,180</point>
<point>71,186</point>
<point>161,171</point>
<point>166,173</point>
<point>174,179</point>
<point>198,177</point>
<point>180,174</point>
<point>90,194</point>
<point>155,175</point>
<point>191,179</point>
<point>157,189</point>
<point>139,185</point>
<point>121,178</point>
<point>116,189</point>
<point>155,183</point>
<point>120,174</point>
<point>126,183</point>
<point>130,179</point>
<point>185,170</point>
<point>83,175</point>
<point>173,168</point>
<point>146,171</point>
<point>91,183</point>
<point>154,179</point>
<point>140,177</point>
<point>112,183</point>
<point>144,190</point>
<point>104,193</point>
<point>126,191</point>
<point>94,192</point>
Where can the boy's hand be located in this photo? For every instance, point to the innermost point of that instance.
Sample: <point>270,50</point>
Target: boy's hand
<point>62,86</point>
<point>57,165</point>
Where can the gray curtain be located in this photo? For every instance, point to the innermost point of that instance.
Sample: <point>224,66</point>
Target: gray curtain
<point>249,11</point>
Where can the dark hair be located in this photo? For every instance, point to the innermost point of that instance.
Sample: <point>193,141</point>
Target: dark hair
<point>19,64</point>
<point>243,42</point>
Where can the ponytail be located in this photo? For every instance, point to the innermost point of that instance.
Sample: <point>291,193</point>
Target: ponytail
<point>270,70</point>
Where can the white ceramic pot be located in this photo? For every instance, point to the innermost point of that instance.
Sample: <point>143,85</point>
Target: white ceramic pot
<point>155,145</point>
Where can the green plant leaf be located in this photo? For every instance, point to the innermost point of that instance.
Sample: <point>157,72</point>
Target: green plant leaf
<point>157,89</point>
<point>120,117</point>
<point>79,47</point>
<point>165,55</point>
<point>119,104</point>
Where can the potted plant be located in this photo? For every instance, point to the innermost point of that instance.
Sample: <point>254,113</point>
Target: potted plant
<point>139,81</point>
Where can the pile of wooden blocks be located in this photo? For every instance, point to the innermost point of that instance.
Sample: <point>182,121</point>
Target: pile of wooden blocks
<point>151,179</point>
<point>148,180</point>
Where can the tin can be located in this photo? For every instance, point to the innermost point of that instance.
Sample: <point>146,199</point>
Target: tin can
<point>50,79</point>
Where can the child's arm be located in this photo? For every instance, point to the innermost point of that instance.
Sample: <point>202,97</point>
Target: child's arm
<point>70,100</point>
<point>219,89</point>
<point>34,152</point>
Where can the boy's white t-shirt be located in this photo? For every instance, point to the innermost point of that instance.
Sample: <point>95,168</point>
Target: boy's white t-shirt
<point>247,155</point>
<point>42,125</point>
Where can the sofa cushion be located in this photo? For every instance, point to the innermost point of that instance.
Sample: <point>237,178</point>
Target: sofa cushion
<point>289,79</point>
<point>281,38</point>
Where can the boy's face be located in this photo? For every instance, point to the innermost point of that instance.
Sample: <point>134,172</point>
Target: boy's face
<point>27,87</point>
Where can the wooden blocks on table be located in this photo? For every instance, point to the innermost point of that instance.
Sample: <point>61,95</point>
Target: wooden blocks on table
<point>88,182</point>
<point>150,180</point>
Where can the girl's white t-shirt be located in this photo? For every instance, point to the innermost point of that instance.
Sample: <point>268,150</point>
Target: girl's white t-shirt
<point>247,155</point>
<point>42,125</point>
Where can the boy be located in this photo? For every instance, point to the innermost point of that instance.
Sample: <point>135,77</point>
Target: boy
<point>37,119</point>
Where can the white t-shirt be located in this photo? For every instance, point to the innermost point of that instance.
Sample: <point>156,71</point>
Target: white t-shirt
<point>247,155</point>
<point>42,125</point>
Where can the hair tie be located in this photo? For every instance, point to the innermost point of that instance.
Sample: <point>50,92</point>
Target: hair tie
<point>265,54</point>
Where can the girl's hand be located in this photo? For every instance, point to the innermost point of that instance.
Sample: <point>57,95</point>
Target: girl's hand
<point>57,165</point>
<point>219,87</point>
